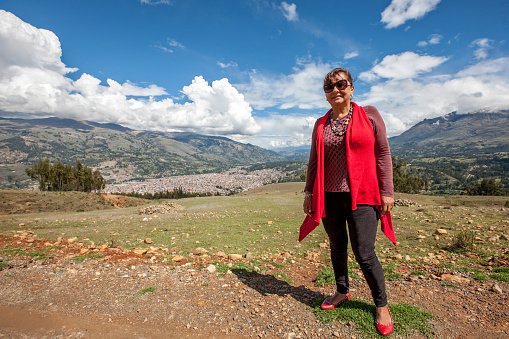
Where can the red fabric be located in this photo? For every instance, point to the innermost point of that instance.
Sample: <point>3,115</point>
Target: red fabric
<point>361,162</point>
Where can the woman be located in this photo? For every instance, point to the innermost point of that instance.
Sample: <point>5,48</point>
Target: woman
<point>349,182</point>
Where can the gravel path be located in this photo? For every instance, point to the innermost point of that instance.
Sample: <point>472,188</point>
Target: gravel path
<point>127,295</point>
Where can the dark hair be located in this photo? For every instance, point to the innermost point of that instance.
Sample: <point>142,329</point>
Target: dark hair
<point>335,72</point>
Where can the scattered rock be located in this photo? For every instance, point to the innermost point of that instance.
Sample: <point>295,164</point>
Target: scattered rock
<point>211,269</point>
<point>454,278</point>
<point>177,258</point>
<point>440,231</point>
<point>166,208</point>
<point>404,202</point>
<point>235,257</point>
<point>200,251</point>
<point>148,241</point>
<point>497,289</point>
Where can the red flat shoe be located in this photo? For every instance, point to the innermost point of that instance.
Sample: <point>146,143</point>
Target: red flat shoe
<point>328,306</point>
<point>385,329</point>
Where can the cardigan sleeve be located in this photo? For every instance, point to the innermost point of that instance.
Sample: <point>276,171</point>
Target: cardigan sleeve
<point>382,152</point>
<point>311,172</point>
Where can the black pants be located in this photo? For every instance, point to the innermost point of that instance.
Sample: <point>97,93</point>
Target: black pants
<point>362,228</point>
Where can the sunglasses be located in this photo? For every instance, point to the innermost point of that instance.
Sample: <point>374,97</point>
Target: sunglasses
<point>341,85</point>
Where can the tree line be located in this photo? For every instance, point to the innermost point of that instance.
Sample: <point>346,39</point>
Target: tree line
<point>65,177</point>
<point>177,193</point>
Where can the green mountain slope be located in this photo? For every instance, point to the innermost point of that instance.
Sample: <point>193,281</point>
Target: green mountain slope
<point>118,152</point>
<point>458,149</point>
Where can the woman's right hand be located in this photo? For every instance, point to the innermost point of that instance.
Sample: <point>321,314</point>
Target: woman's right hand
<point>308,204</point>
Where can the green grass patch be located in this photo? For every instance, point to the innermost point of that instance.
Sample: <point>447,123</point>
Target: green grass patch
<point>13,252</point>
<point>38,255</point>
<point>389,271</point>
<point>275,264</point>
<point>408,319</point>
<point>145,291</point>
<point>84,257</point>
<point>325,277</point>
<point>417,272</point>
<point>500,276</point>
<point>464,241</point>
<point>283,277</point>
<point>479,275</point>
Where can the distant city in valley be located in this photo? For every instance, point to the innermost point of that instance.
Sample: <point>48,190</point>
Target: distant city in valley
<point>234,180</point>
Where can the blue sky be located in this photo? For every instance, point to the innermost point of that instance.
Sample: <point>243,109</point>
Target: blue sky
<point>249,70</point>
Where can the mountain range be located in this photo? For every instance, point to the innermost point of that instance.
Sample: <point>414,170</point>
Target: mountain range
<point>119,153</point>
<point>452,150</point>
<point>457,150</point>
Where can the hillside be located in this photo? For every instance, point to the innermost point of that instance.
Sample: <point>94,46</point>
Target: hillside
<point>457,150</point>
<point>118,152</point>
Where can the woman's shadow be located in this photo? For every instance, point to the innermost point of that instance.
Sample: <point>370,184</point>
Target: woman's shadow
<point>268,284</point>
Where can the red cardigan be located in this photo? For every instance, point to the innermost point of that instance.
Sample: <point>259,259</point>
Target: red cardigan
<point>361,162</point>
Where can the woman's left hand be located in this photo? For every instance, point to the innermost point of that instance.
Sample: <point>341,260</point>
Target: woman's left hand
<point>387,205</point>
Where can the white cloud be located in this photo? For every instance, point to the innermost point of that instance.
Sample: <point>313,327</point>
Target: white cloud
<point>283,130</point>
<point>351,55</point>
<point>482,45</point>
<point>290,11</point>
<point>402,66</point>
<point>33,82</point>
<point>400,11</point>
<point>228,65</point>
<point>301,89</point>
<point>433,39</point>
<point>405,102</point>
<point>156,2</point>
<point>171,43</point>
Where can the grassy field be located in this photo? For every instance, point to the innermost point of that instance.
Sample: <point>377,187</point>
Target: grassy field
<point>457,233</point>
<point>263,220</point>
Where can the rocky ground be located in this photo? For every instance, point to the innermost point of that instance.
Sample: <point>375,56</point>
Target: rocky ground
<point>63,289</point>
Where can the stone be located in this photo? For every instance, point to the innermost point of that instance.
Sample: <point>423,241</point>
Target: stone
<point>200,251</point>
<point>441,231</point>
<point>84,251</point>
<point>497,289</point>
<point>221,254</point>
<point>454,278</point>
<point>398,256</point>
<point>177,258</point>
<point>148,241</point>
<point>235,257</point>
<point>141,251</point>
<point>211,269</point>
<point>249,256</point>
<point>407,258</point>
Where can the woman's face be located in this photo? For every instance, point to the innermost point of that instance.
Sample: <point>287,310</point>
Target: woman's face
<point>340,97</point>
